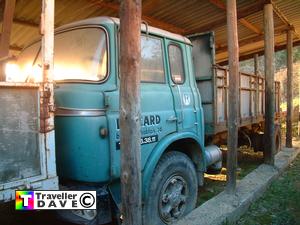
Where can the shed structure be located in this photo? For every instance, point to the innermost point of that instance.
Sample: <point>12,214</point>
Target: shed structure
<point>242,28</point>
<point>180,16</point>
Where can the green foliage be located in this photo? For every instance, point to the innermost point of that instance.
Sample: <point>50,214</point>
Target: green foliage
<point>280,61</point>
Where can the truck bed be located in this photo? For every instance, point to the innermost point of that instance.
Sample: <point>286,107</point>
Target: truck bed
<point>251,100</point>
<point>212,82</point>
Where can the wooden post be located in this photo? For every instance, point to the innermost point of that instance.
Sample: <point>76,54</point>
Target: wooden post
<point>269,148</point>
<point>256,72</point>
<point>289,97</point>
<point>47,32</point>
<point>233,54</point>
<point>130,69</point>
<point>7,22</point>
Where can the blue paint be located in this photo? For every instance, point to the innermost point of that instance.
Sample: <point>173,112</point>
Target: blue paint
<point>170,112</point>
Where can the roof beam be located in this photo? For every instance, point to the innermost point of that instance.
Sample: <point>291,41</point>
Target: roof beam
<point>242,43</point>
<point>278,31</point>
<point>2,6</point>
<point>26,23</point>
<point>243,21</point>
<point>283,18</point>
<point>241,13</point>
<point>249,55</point>
<point>250,26</point>
<point>115,7</point>
<point>8,16</point>
<point>15,48</point>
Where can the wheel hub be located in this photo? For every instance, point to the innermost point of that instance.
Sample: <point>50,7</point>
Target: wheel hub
<point>173,197</point>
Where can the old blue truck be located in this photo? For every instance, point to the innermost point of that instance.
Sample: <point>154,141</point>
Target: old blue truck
<point>184,116</point>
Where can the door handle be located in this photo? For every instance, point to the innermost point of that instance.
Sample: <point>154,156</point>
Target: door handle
<point>172,119</point>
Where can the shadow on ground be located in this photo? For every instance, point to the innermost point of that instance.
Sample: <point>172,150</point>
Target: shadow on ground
<point>248,160</point>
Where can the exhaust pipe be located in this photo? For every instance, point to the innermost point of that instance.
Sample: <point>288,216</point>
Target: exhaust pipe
<point>213,157</point>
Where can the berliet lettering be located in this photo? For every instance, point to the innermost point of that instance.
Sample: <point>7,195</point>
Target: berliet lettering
<point>149,130</point>
<point>147,120</point>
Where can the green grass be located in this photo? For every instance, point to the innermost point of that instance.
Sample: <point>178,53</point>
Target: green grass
<point>283,105</point>
<point>280,205</point>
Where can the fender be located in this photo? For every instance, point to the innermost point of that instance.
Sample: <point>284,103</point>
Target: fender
<point>115,187</point>
<point>159,150</point>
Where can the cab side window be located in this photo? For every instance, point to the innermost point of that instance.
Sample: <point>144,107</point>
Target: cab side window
<point>176,64</point>
<point>152,60</point>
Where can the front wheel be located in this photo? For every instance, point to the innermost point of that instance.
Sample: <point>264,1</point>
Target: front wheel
<point>173,190</point>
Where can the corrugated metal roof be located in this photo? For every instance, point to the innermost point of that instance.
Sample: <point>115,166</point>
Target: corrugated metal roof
<point>179,16</point>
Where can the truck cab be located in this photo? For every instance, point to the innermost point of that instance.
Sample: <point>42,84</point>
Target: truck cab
<point>87,135</point>
<point>87,114</point>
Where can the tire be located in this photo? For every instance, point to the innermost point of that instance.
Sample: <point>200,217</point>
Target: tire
<point>257,140</point>
<point>173,190</point>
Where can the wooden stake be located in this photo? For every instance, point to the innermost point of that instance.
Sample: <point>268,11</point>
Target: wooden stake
<point>289,97</point>
<point>233,52</point>
<point>130,68</point>
<point>47,32</point>
<point>7,22</point>
<point>256,71</point>
<point>269,148</point>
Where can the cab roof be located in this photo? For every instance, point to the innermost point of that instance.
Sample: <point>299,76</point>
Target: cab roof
<point>116,21</point>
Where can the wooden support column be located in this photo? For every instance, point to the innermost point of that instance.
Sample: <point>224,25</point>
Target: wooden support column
<point>47,48</point>
<point>289,97</point>
<point>233,53</point>
<point>269,137</point>
<point>130,69</point>
<point>7,22</point>
<point>256,72</point>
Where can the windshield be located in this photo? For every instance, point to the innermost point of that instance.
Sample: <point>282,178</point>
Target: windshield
<point>79,54</point>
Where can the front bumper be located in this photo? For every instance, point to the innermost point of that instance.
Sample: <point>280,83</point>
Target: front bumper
<point>102,215</point>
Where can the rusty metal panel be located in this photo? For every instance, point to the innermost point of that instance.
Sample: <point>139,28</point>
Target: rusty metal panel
<point>19,133</point>
<point>203,58</point>
<point>222,101</point>
<point>245,96</point>
<point>203,54</point>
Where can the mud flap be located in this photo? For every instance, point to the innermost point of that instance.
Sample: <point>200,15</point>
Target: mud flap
<point>115,191</point>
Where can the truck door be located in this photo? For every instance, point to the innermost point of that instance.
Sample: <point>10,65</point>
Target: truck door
<point>157,110</point>
<point>179,77</point>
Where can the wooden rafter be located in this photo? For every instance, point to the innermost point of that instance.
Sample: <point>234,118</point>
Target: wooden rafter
<point>8,15</point>
<point>241,13</point>
<point>249,55</point>
<point>25,23</point>
<point>243,21</point>
<point>250,26</point>
<point>15,48</point>
<point>284,19</point>
<point>152,21</point>
<point>278,31</point>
